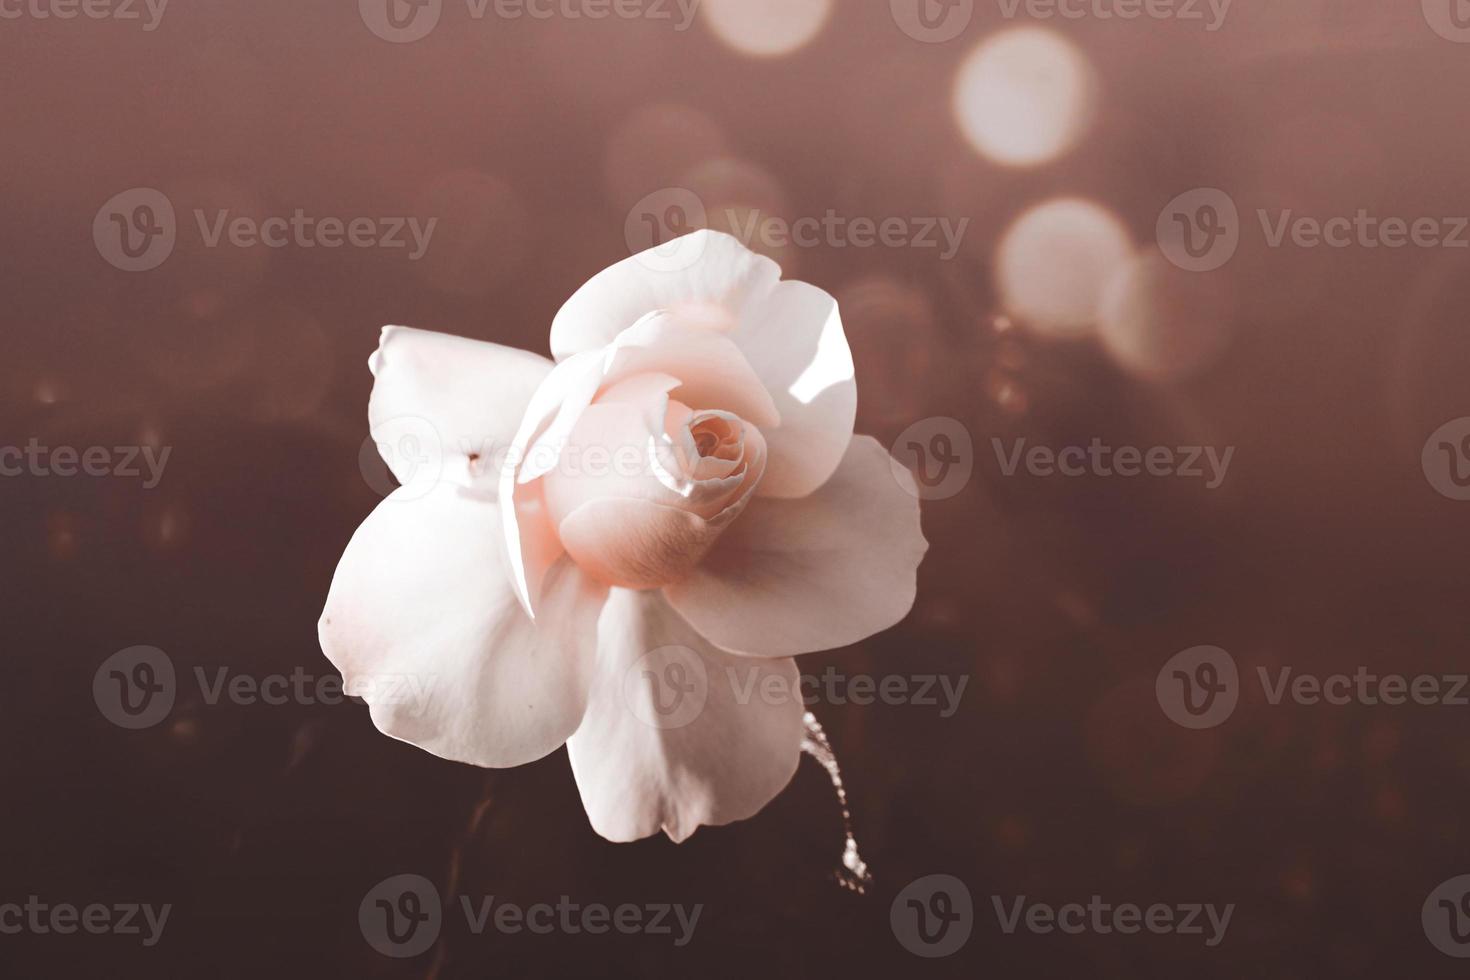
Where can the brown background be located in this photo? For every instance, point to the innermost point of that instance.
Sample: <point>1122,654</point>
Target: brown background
<point>1058,778</point>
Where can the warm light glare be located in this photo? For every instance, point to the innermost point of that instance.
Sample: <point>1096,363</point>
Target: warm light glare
<point>1161,322</point>
<point>655,146</point>
<point>766,28</point>
<point>1055,261</point>
<point>1024,96</point>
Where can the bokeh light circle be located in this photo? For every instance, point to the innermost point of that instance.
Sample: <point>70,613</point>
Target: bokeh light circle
<point>1161,322</point>
<point>1024,96</point>
<point>766,28</point>
<point>1055,261</point>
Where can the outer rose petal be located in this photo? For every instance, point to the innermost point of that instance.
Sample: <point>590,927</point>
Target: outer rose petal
<point>726,276</point>
<point>796,344</point>
<point>473,393</point>
<point>422,595</point>
<point>530,537</point>
<point>824,571</point>
<point>640,771</point>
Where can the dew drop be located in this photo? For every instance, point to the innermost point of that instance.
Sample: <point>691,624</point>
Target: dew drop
<point>854,874</point>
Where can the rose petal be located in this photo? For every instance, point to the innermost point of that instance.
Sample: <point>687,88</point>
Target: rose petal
<point>637,544</point>
<point>709,367</point>
<point>795,342</point>
<point>708,751</point>
<point>723,279</point>
<point>613,453</point>
<point>790,333</point>
<point>472,393</point>
<point>712,371</point>
<point>815,573</point>
<point>530,538</point>
<point>421,605</point>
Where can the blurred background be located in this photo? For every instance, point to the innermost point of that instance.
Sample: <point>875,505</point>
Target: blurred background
<point>1113,185</point>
